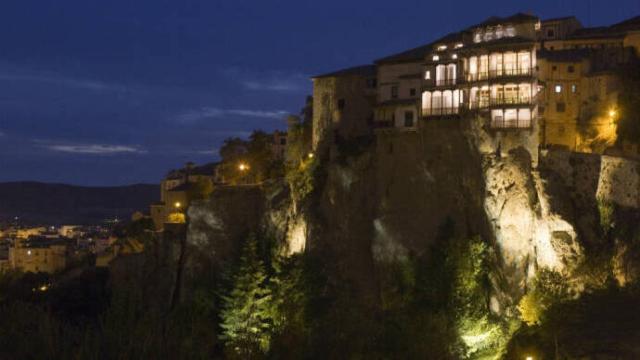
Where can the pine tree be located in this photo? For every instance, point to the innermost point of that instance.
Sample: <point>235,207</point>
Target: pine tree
<point>247,310</point>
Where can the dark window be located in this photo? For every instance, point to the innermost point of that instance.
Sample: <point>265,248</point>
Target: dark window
<point>554,68</point>
<point>570,68</point>
<point>283,141</point>
<point>372,83</point>
<point>412,92</point>
<point>550,47</point>
<point>560,107</point>
<point>394,92</point>
<point>408,118</point>
<point>550,33</point>
<point>340,104</point>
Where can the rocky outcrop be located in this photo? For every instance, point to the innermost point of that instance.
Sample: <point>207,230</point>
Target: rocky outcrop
<point>390,200</point>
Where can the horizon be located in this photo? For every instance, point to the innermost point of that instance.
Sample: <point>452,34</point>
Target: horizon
<point>118,93</point>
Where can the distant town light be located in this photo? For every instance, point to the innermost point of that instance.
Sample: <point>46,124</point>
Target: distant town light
<point>458,45</point>
<point>44,288</point>
<point>529,358</point>
<point>442,47</point>
<point>558,89</point>
<point>28,252</point>
<point>310,155</point>
<point>436,57</point>
<point>454,56</point>
<point>243,167</point>
<point>612,113</point>
<point>177,204</point>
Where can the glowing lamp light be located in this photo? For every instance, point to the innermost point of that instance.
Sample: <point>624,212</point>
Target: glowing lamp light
<point>243,167</point>
<point>612,113</point>
<point>28,252</point>
<point>177,204</point>
<point>529,358</point>
<point>310,155</point>
<point>44,288</point>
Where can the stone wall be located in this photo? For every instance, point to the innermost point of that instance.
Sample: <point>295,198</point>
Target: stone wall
<point>596,176</point>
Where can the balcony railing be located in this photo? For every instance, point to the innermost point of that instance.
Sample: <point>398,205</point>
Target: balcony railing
<point>501,123</point>
<point>500,73</point>
<point>510,100</point>
<point>502,101</point>
<point>440,111</point>
<point>446,82</point>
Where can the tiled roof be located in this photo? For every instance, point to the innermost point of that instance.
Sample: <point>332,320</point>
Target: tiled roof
<point>561,18</point>
<point>362,70</point>
<point>420,52</point>
<point>516,18</point>
<point>614,31</point>
<point>570,55</point>
<point>627,25</point>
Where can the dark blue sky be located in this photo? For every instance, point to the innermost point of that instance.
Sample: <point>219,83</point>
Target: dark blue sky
<point>119,91</point>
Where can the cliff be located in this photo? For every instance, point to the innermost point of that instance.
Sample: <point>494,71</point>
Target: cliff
<point>406,195</point>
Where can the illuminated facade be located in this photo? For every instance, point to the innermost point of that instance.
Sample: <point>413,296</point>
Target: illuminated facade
<point>39,254</point>
<point>521,79</point>
<point>489,69</point>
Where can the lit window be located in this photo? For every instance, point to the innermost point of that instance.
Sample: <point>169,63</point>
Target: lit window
<point>454,56</point>
<point>28,252</point>
<point>442,47</point>
<point>574,88</point>
<point>459,45</point>
<point>558,89</point>
<point>427,75</point>
<point>510,31</point>
<point>436,57</point>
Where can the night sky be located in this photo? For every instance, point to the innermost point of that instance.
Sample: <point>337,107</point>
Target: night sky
<point>119,91</point>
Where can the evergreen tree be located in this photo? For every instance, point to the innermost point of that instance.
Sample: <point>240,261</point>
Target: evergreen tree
<point>246,316</point>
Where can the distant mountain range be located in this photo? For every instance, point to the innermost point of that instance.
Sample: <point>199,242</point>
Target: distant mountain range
<point>51,204</point>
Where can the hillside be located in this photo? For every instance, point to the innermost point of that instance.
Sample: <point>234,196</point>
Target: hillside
<point>45,203</point>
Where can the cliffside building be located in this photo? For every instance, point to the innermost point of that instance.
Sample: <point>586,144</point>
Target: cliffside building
<point>525,81</point>
<point>343,103</point>
<point>175,190</point>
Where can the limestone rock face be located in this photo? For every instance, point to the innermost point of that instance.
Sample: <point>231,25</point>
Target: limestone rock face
<point>527,230</point>
<point>391,200</point>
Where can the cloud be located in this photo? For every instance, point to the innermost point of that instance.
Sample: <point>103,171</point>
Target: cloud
<point>195,116</point>
<point>212,152</point>
<point>277,81</point>
<point>20,74</point>
<point>92,149</point>
<point>273,85</point>
<point>2,134</point>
